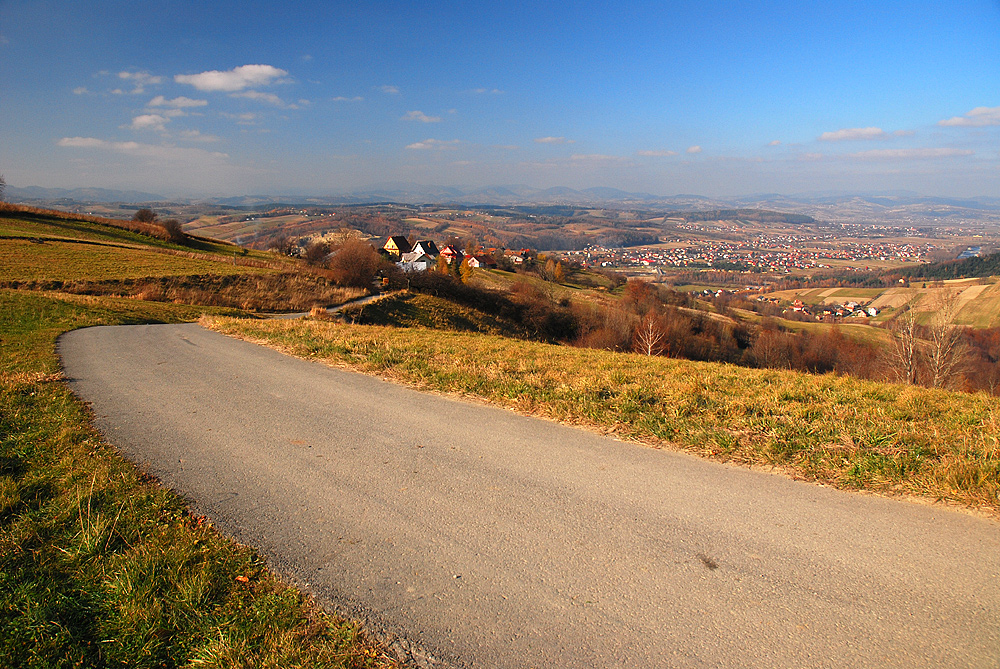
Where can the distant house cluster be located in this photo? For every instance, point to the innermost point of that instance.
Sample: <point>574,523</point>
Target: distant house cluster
<point>424,254</point>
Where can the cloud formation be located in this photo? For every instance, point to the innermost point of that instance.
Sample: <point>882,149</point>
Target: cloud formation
<point>162,152</point>
<point>776,142</point>
<point>553,140</point>
<point>658,154</point>
<point>197,136</point>
<point>977,118</point>
<point>230,81</point>
<point>260,96</point>
<point>911,154</point>
<point>852,134</point>
<point>341,98</point>
<point>391,90</point>
<point>694,149</point>
<point>140,80</point>
<point>177,103</point>
<point>150,122</point>
<point>438,144</point>
<point>420,116</point>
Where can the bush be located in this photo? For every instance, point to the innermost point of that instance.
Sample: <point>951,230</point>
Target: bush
<point>355,264</point>
<point>144,216</point>
<point>173,229</point>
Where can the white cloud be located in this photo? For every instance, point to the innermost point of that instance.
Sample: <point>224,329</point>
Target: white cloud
<point>657,154</point>
<point>508,147</point>
<point>438,144</point>
<point>197,136</point>
<point>149,122</point>
<point>810,157</point>
<point>140,79</point>
<point>246,118</point>
<point>485,91</point>
<point>341,98</point>
<point>391,90</point>
<point>694,149</point>
<point>553,140</point>
<point>176,103</point>
<point>852,134</point>
<point>82,142</point>
<point>420,116</point>
<point>259,96</point>
<point>80,90</point>
<point>904,133</point>
<point>911,154</point>
<point>977,118</point>
<point>161,152</point>
<point>232,80</point>
<point>306,57</point>
<point>776,142</point>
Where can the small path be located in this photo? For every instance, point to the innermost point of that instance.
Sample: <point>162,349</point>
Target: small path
<point>368,299</point>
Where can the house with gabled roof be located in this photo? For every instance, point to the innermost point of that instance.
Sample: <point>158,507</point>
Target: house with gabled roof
<point>451,254</point>
<point>427,247</point>
<point>397,245</point>
<point>482,261</point>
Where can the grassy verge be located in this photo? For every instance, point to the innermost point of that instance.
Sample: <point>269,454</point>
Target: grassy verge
<point>406,309</point>
<point>854,434</point>
<point>102,567</point>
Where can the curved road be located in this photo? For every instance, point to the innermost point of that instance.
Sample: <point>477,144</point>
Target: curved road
<point>485,539</point>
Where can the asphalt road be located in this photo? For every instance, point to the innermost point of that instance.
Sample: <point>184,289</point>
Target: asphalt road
<point>493,540</point>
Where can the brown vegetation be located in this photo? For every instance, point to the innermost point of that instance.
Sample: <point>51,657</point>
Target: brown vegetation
<point>277,292</point>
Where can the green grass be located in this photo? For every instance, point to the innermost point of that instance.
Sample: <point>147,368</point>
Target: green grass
<point>405,309</point>
<point>853,434</point>
<point>100,566</point>
<point>68,261</point>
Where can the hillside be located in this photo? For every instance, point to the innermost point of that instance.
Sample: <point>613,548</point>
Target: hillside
<point>93,256</point>
<point>976,266</point>
<point>100,565</point>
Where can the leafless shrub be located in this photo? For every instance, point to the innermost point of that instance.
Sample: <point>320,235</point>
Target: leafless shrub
<point>173,230</point>
<point>355,264</point>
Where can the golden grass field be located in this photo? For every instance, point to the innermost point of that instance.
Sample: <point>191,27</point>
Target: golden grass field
<point>854,434</point>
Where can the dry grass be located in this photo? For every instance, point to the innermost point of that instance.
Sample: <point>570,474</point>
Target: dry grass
<point>853,434</point>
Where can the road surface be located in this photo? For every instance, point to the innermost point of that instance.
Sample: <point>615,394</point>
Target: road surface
<point>481,538</point>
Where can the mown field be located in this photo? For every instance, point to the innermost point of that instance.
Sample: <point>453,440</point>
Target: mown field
<point>976,301</point>
<point>858,435</point>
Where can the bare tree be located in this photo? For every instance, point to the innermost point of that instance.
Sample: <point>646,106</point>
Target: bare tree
<point>905,355</point>
<point>946,350</point>
<point>770,349</point>
<point>174,230</point>
<point>649,336</point>
<point>3,187</point>
<point>316,252</point>
<point>144,215</point>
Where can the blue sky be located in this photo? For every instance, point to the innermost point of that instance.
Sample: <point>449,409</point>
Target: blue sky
<point>707,97</point>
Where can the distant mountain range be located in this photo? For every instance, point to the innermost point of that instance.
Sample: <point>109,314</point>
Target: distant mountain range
<point>78,195</point>
<point>898,206</point>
